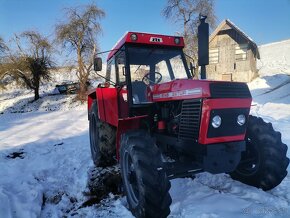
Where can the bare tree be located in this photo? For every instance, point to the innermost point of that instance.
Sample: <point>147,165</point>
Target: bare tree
<point>3,47</point>
<point>186,14</point>
<point>79,34</point>
<point>29,62</point>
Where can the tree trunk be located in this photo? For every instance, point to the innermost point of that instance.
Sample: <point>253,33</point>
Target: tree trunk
<point>83,78</point>
<point>36,82</point>
<point>36,93</point>
<point>82,95</point>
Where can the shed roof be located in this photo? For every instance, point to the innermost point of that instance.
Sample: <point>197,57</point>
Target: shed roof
<point>238,30</point>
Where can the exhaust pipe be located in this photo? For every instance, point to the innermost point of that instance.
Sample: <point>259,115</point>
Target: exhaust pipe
<point>203,37</point>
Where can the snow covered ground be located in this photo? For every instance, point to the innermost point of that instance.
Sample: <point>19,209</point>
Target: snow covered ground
<point>275,58</point>
<point>45,157</point>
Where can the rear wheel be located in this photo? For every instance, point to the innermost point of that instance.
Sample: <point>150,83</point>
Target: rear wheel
<point>102,140</point>
<point>145,181</point>
<point>264,163</point>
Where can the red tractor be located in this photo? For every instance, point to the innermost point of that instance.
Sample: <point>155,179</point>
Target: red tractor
<point>159,123</point>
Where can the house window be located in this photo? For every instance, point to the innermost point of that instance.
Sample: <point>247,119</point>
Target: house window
<point>213,55</point>
<point>241,52</point>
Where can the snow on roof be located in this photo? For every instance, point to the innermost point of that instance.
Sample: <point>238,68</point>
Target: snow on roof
<point>275,58</point>
<point>286,41</point>
<point>235,27</point>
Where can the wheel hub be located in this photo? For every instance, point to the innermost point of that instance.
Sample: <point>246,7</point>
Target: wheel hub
<point>250,163</point>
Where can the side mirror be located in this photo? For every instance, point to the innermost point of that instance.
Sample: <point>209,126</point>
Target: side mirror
<point>98,64</point>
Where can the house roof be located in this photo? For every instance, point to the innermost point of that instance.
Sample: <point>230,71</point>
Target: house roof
<point>237,29</point>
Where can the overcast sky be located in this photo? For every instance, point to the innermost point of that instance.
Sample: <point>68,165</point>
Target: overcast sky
<point>263,20</point>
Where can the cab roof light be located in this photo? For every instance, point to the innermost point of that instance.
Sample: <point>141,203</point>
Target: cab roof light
<point>133,37</point>
<point>176,40</point>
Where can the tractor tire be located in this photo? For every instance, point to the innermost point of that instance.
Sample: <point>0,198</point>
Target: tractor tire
<point>264,163</point>
<point>145,181</point>
<point>102,139</point>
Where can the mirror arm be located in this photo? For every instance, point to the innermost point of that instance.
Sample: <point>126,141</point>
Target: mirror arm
<point>103,52</point>
<point>110,81</point>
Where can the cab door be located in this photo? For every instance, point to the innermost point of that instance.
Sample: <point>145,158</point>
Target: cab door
<point>113,99</point>
<point>121,84</point>
<point>107,96</point>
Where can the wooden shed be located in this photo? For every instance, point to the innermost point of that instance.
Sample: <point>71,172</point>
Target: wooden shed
<point>232,54</point>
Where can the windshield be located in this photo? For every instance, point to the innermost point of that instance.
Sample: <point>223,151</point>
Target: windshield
<point>160,64</point>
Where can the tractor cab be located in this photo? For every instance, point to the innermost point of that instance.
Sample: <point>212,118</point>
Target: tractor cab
<point>140,61</point>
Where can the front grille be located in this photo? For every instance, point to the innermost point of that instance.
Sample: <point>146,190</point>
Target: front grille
<point>190,119</point>
<point>229,90</point>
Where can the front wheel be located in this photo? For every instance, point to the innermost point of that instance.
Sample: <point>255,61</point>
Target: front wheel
<point>264,163</point>
<point>144,179</point>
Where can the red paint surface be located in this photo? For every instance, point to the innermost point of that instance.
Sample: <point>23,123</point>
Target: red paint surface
<point>179,85</point>
<point>144,38</point>
<point>208,105</point>
<point>101,110</point>
<point>161,125</point>
<point>91,93</point>
<point>90,102</point>
<point>123,103</point>
<point>123,126</point>
<point>110,102</point>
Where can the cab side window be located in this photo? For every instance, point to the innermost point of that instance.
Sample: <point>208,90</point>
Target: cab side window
<point>111,71</point>
<point>120,67</point>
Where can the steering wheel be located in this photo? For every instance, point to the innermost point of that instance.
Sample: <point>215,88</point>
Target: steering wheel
<point>146,78</point>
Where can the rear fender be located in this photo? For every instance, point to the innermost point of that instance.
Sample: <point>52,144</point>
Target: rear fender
<point>127,124</point>
<point>91,98</point>
<point>97,95</point>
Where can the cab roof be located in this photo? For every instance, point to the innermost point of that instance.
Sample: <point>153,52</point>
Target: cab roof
<point>147,39</point>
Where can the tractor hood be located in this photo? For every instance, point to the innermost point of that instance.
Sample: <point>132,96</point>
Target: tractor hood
<point>188,89</point>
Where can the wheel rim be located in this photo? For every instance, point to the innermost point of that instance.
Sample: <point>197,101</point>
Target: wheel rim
<point>130,179</point>
<point>93,135</point>
<point>250,160</point>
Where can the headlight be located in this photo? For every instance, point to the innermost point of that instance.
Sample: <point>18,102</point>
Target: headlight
<point>241,119</point>
<point>216,121</point>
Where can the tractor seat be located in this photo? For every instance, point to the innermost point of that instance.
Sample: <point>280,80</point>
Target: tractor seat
<point>139,92</point>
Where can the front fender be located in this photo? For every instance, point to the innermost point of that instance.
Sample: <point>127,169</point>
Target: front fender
<point>127,124</point>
